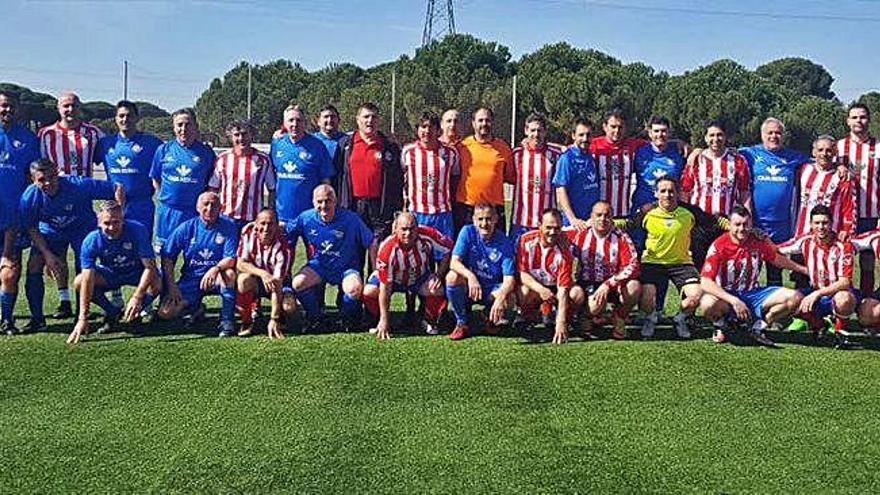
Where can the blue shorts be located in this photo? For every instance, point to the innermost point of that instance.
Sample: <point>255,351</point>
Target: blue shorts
<point>141,210</point>
<point>515,232</point>
<point>116,280</point>
<point>22,242</point>
<point>865,225</point>
<point>192,293</point>
<point>412,288</point>
<point>331,276</point>
<point>489,291</point>
<point>167,219</point>
<point>440,221</point>
<point>754,299</point>
<point>58,244</point>
<point>825,305</point>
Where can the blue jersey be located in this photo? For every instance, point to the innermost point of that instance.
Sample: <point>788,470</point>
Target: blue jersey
<point>183,173</point>
<point>299,168</point>
<point>576,172</point>
<point>122,255</point>
<point>336,246</point>
<point>330,142</point>
<point>129,161</point>
<point>774,188</point>
<point>652,164</point>
<point>202,246</point>
<point>490,260</point>
<point>69,211</point>
<point>18,148</point>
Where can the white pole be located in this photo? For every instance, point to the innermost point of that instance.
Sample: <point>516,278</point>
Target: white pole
<point>393,98</point>
<point>125,79</point>
<point>249,92</point>
<point>513,114</point>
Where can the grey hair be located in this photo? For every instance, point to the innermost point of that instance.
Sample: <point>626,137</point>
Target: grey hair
<point>824,137</point>
<point>772,120</point>
<point>110,206</point>
<point>43,165</point>
<point>324,188</point>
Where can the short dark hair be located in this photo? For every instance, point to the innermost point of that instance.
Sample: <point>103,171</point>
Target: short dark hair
<point>552,211</point>
<point>536,117</point>
<point>185,111</point>
<point>717,123</point>
<point>329,107</point>
<point>431,118</point>
<point>9,94</point>
<point>128,105</point>
<point>487,109</point>
<point>666,178</point>
<point>368,106</point>
<point>43,165</point>
<point>616,113</point>
<point>741,211</point>
<point>858,105</point>
<point>241,125</point>
<point>820,210</point>
<point>658,120</point>
<point>580,121</point>
<point>268,209</point>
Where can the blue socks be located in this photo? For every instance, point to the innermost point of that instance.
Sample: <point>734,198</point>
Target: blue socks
<point>458,298</point>
<point>7,305</point>
<point>227,308</point>
<point>349,307</point>
<point>309,300</point>
<point>34,289</point>
<point>100,298</point>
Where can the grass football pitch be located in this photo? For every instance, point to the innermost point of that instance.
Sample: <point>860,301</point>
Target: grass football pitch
<point>177,410</point>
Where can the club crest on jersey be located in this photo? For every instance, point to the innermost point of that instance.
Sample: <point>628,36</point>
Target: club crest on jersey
<point>668,222</point>
<point>18,144</point>
<point>219,239</point>
<point>773,170</point>
<point>136,148</point>
<point>123,161</point>
<point>4,156</point>
<point>378,155</point>
<point>183,170</point>
<point>279,154</point>
<point>74,160</point>
<point>120,259</point>
<point>388,156</point>
<point>127,246</point>
<point>339,234</point>
<point>196,159</point>
<point>304,155</point>
<point>494,255</point>
<point>68,207</point>
<point>290,167</point>
<point>205,253</point>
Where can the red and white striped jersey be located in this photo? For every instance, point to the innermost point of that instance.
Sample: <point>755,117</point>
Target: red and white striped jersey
<point>276,258</point>
<point>240,180</point>
<point>533,190</point>
<point>864,160</point>
<point>615,163</point>
<point>73,150</point>
<point>407,266</point>
<point>826,263</point>
<point>825,187</point>
<point>715,185</point>
<point>612,259</point>
<point>428,177</point>
<point>868,241</point>
<point>548,265</point>
<point>736,267</point>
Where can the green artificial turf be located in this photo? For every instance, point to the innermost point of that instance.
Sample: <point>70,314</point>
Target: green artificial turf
<point>173,410</point>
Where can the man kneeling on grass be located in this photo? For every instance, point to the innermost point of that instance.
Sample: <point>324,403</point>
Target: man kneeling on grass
<point>730,281</point>
<point>830,268</point>
<point>869,309</point>
<point>209,243</point>
<point>403,264</point>
<point>264,259</point>
<point>545,262</point>
<point>481,271</point>
<point>608,271</point>
<point>118,253</point>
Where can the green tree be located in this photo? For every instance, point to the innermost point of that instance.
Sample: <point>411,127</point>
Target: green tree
<point>810,117</point>
<point>803,77</point>
<point>872,99</point>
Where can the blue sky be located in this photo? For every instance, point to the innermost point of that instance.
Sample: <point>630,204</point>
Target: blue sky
<point>175,48</point>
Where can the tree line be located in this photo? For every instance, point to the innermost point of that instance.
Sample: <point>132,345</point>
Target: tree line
<point>557,80</point>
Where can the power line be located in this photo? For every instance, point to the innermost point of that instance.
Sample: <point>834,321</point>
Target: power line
<point>733,13</point>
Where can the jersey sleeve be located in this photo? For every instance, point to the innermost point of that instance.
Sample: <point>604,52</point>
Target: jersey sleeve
<point>142,243</point>
<point>244,243</point>
<point>283,260</point>
<point>216,179</point>
<point>454,161</point>
<point>230,245</point>
<point>98,153</point>
<point>846,261</point>
<point>508,263</point>
<point>383,263</point>
<point>768,250</point>
<point>743,181</point>
<point>712,263</point>
<point>88,256</point>
<point>792,246</point>
<point>156,166</point>
<point>867,241</point>
<point>687,178</point>
<point>328,171</point>
<point>629,262</point>
<point>848,213</point>
<point>176,242</point>
<point>29,212</point>
<point>462,243</point>
<point>562,175</point>
<point>440,244</point>
<point>271,180</point>
<point>365,234</point>
<point>294,229</point>
<point>564,277</point>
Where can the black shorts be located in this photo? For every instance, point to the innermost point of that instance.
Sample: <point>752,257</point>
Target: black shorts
<point>590,288</point>
<point>370,211</point>
<point>680,275</point>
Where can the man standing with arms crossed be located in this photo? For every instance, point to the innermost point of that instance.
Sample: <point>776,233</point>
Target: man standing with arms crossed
<point>614,155</point>
<point>860,153</point>
<point>533,168</point>
<point>486,161</point>
<point>18,148</point>
<point>70,143</point>
<point>576,179</point>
